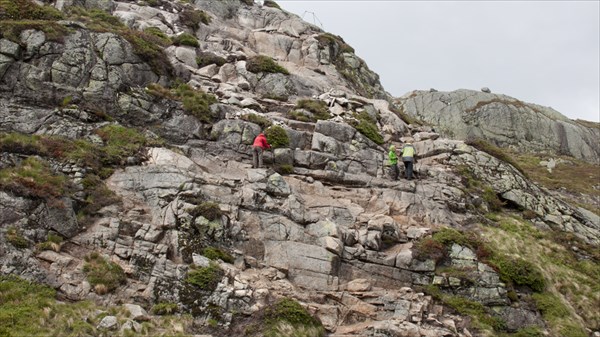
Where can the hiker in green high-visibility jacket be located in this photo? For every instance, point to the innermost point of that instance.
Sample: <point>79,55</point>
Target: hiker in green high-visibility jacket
<point>408,158</point>
<point>393,162</point>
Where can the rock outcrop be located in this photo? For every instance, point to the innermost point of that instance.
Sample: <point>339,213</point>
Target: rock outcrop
<point>504,121</point>
<point>322,223</point>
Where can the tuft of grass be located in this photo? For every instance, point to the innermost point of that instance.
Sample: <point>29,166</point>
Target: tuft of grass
<point>206,278</point>
<point>550,306</point>
<point>166,40</point>
<point>149,48</point>
<point>120,142</point>
<point>327,40</point>
<point>165,308</point>
<point>271,3</point>
<point>429,249</point>
<point>214,253</point>
<point>284,169</point>
<point>11,30</point>
<point>27,10</point>
<point>103,274</point>
<point>492,199</point>
<point>195,102</point>
<point>285,316</point>
<point>16,238</point>
<point>318,109</point>
<point>194,17</point>
<point>96,19</point>
<point>259,120</point>
<point>33,178</point>
<point>277,137</point>
<point>186,39</point>
<point>206,58</point>
<point>209,210</point>
<point>264,64</point>
<point>368,127</point>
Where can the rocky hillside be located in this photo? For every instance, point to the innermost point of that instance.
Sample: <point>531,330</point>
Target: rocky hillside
<point>504,121</point>
<point>128,205</point>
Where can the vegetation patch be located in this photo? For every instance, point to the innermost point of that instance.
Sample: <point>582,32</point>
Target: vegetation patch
<point>27,10</point>
<point>11,30</point>
<point>33,178</point>
<point>186,39</point>
<point>259,120</point>
<point>399,111</point>
<point>193,17</point>
<point>16,238</point>
<point>285,317</point>
<point>214,253</point>
<point>494,151</point>
<point>165,308</point>
<point>196,102</point>
<point>96,19</point>
<point>166,40</point>
<point>277,137</point>
<point>30,309</point>
<point>492,199</point>
<point>206,58</point>
<point>318,110</point>
<point>327,40</point>
<point>149,48</point>
<point>572,274</point>
<point>271,3</point>
<point>208,209</point>
<point>205,278</point>
<point>105,276</point>
<point>120,143</point>
<point>572,177</point>
<point>284,169</point>
<point>264,64</point>
<point>53,242</point>
<point>366,125</point>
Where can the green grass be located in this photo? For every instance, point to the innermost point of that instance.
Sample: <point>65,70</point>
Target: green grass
<point>368,127</point>
<point>186,39</point>
<point>30,309</point>
<point>33,178</point>
<point>206,58</point>
<point>196,102</point>
<point>285,317</point>
<point>259,120</point>
<point>264,64</point>
<point>214,253</point>
<point>27,10</point>
<point>194,17</point>
<point>208,209</point>
<point>318,110</point>
<point>205,278</point>
<point>103,274</point>
<point>120,142</point>
<point>277,137</point>
<point>11,30</point>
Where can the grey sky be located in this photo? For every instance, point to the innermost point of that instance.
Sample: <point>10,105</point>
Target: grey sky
<point>543,52</point>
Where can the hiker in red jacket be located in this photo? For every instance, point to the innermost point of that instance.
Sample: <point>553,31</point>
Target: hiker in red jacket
<point>258,147</point>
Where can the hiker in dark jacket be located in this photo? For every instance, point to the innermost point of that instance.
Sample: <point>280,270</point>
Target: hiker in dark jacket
<point>258,147</point>
<point>408,158</point>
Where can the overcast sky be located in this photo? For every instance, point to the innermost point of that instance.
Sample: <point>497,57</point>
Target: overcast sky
<point>543,52</point>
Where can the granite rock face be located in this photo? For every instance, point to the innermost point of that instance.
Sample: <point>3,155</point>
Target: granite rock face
<point>504,121</point>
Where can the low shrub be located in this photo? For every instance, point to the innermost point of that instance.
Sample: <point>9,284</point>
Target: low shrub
<point>550,306</point>
<point>195,102</point>
<point>259,120</point>
<point>492,200</point>
<point>158,33</point>
<point>27,10</point>
<point>366,125</point>
<point>429,249</point>
<point>165,308</point>
<point>206,278</point>
<point>214,253</point>
<point>193,17</point>
<point>16,238</point>
<point>95,19</point>
<point>120,142</point>
<point>33,178</point>
<point>53,242</point>
<point>288,312</point>
<point>277,137</point>
<point>186,39</point>
<point>103,274</point>
<point>206,58</point>
<point>284,169</point>
<point>271,3</point>
<point>150,48</point>
<point>264,64</point>
<point>334,41</point>
<point>318,108</point>
<point>518,271</point>
<point>11,30</point>
<point>300,116</point>
<point>209,210</point>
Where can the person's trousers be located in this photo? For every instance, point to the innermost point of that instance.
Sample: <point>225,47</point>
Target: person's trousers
<point>408,165</point>
<point>257,156</point>
<point>394,171</point>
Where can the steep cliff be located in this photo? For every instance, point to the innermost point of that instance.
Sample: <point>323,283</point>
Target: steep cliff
<point>126,180</point>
